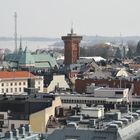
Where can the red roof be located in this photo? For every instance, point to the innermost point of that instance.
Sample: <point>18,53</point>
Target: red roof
<point>15,74</point>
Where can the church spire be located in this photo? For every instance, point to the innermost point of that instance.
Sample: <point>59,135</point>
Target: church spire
<point>20,46</point>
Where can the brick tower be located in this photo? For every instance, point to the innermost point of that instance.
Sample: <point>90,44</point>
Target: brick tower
<point>72,47</point>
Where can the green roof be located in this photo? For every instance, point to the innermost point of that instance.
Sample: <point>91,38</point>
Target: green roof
<point>38,60</point>
<point>44,60</point>
<point>26,57</point>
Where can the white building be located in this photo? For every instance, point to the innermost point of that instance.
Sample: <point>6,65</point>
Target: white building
<point>14,82</point>
<point>111,92</point>
<point>59,82</point>
<point>96,112</point>
<point>107,91</point>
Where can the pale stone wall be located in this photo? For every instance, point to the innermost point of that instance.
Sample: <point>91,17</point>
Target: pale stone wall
<point>39,120</point>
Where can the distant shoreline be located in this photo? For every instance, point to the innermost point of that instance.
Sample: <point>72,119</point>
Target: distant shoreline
<point>34,43</point>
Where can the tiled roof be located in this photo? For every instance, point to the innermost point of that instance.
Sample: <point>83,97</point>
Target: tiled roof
<point>15,74</point>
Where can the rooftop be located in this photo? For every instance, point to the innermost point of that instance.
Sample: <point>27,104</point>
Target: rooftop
<point>15,74</point>
<point>110,89</point>
<point>22,106</point>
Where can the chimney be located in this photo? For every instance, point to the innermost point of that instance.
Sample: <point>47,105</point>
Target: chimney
<point>31,83</point>
<point>31,87</point>
<point>16,133</point>
<point>23,132</point>
<point>9,135</point>
<point>28,129</point>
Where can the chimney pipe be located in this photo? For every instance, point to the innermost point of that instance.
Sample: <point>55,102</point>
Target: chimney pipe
<point>23,132</point>
<point>29,129</point>
<point>16,133</point>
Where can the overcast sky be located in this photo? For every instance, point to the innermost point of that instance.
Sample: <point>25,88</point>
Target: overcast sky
<point>53,18</point>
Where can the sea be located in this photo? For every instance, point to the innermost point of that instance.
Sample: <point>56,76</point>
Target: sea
<point>32,45</point>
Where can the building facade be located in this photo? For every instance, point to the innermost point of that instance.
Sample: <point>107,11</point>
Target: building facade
<point>81,84</point>
<point>15,82</point>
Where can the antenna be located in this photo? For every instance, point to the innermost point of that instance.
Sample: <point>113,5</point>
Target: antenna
<point>72,31</point>
<point>15,16</point>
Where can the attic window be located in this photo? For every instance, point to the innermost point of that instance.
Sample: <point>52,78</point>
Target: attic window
<point>92,70</point>
<point>118,92</point>
<point>75,68</point>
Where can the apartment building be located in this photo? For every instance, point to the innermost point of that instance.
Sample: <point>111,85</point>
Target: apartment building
<point>14,82</point>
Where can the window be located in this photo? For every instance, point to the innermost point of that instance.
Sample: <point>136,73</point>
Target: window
<point>2,90</point>
<point>19,83</point>
<point>119,92</point>
<point>38,88</point>
<point>21,125</point>
<point>2,84</point>
<point>1,116</point>
<point>39,82</point>
<point>11,90</point>
<point>12,126</point>
<point>6,89</point>
<point>1,123</point>
<point>19,89</point>
<point>24,83</point>
<point>15,89</point>
<point>11,84</point>
<point>15,84</point>
<point>7,84</point>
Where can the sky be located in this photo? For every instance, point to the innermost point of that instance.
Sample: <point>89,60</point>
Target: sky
<point>53,18</point>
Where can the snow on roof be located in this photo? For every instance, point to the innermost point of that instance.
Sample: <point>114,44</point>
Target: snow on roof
<point>96,58</point>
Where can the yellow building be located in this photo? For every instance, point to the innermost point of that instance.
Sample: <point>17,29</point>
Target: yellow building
<point>39,120</point>
<point>33,109</point>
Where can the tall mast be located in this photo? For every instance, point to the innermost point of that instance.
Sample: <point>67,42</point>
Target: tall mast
<point>72,31</point>
<point>15,34</point>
